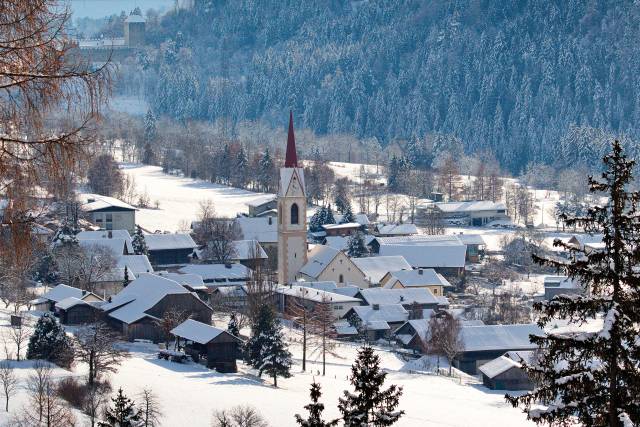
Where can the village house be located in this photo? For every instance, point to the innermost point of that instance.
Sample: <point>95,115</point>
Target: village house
<point>472,213</point>
<point>413,334</point>
<point>329,286</point>
<point>93,235</point>
<point>264,230</point>
<point>48,300</point>
<point>426,278</point>
<point>561,285</point>
<point>475,246</point>
<point>216,347</point>
<point>377,321</point>
<point>360,218</point>
<point>445,254</point>
<point>393,230</point>
<point>214,275</point>
<point>109,213</point>
<point>291,297</point>
<point>170,249</point>
<point>482,344</point>
<point>136,310</point>
<point>413,299</point>
<point>328,264</point>
<point>77,311</point>
<point>263,207</point>
<point>345,229</point>
<point>506,373</point>
<point>375,268</point>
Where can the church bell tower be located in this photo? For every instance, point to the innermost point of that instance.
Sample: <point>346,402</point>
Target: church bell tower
<point>292,214</point>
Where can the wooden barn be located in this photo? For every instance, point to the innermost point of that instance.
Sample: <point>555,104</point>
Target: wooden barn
<point>137,309</point>
<point>167,250</point>
<point>202,341</point>
<point>75,311</point>
<point>48,300</point>
<point>506,373</point>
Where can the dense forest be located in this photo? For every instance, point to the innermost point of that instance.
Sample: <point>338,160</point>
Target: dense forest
<point>526,80</point>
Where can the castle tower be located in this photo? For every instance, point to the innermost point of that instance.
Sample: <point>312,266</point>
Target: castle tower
<point>292,214</point>
<point>134,31</point>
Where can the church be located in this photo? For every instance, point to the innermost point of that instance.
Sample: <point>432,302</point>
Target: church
<point>292,214</point>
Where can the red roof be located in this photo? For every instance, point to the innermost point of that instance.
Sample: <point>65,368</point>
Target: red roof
<point>291,158</point>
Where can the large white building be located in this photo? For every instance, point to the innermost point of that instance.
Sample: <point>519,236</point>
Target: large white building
<point>292,214</point>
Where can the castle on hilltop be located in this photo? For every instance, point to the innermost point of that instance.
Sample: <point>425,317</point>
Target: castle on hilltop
<point>115,48</point>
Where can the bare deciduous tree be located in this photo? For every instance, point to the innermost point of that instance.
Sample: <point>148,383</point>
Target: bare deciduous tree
<point>238,416</point>
<point>149,407</point>
<point>95,398</point>
<point>85,267</point>
<point>170,319</point>
<point>445,336</point>
<point>95,346</point>
<point>8,381</point>
<point>105,177</point>
<point>19,335</point>
<point>323,336</point>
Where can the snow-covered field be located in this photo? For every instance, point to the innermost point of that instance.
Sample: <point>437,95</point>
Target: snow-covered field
<point>189,393</point>
<point>179,198</point>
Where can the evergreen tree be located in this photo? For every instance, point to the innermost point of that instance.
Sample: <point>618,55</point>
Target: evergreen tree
<point>393,172</point>
<point>50,342</point>
<point>123,413</point>
<point>66,234</point>
<point>341,195</point>
<point>267,171</point>
<point>150,133</point>
<point>266,350</point>
<point>232,326</point>
<point>126,280</point>
<point>241,168</point>
<point>329,219</point>
<point>347,214</point>
<point>139,243</point>
<point>317,219</point>
<point>584,376</point>
<point>315,411</point>
<point>356,247</point>
<point>369,405</point>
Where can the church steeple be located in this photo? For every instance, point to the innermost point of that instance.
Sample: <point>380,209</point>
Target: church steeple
<point>291,157</point>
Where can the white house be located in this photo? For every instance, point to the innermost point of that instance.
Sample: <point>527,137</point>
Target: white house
<point>109,213</point>
<point>375,268</point>
<point>291,295</point>
<point>475,213</point>
<point>426,278</point>
<point>328,264</point>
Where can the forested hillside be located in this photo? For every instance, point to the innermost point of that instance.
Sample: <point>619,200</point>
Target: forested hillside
<point>526,80</point>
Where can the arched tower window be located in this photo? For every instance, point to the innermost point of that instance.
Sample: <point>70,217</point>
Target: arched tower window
<point>341,279</point>
<point>294,213</point>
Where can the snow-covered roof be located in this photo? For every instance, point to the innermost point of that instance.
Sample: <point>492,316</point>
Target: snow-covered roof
<point>315,295</point>
<point>319,259</point>
<point>329,286</point>
<point>96,202</point>
<point>498,366</point>
<point>261,202</point>
<point>337,242</point>
<point>107,234</point>
<point>426,251</point>
<point>135,264</point>
<point>61,292</point>
<point>397,229</point>
<point>419,326</point>
<point>360,218</point>
<point>131,303</point>
<point>405,296</point>
<point>135,18</point>
<point>117,246</point>
<point>232,291</point>
<point>195,331</point>
<point>385,313</point>
<point>102,42</point>
<point>343,327</point>
<point>345,225</point>
<point>586,239</point>
<point>161,242</point>
<point>264,230</point>
<point>561,282</point>
<point>210,272</point>
<point>194,281</point>
<point>499,337</point>
<point>526,356</point>
<point>471,239</point>
<point>418,278</point>
<point>375,268</point>
<point>471,206</point>
<point>67,303</point>
<point>248,249</point>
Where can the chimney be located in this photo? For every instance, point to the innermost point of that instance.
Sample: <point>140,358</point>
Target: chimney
<point>420,271</point>
<point>375,306</point>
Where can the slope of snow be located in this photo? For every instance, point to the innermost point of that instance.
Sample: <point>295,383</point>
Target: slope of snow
<point>179,198</point>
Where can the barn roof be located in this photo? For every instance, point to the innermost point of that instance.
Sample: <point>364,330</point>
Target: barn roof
<point>107,234</point>
<point>220,272</point>
<point>168,241</point>
<point>199,332</point>
<point>499,337</point>
<point>374,268</point>
<point>426,251</point>
<point>498,366</point>
<point>59,293</point>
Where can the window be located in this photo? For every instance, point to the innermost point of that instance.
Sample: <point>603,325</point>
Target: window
<point>109,217</point>
<point>340,279</point>
<point>294,213</point>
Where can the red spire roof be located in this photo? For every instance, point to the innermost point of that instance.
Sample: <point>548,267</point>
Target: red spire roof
<point>291,158</point>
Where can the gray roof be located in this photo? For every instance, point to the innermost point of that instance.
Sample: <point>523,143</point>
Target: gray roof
<point>315,295</point>
<point>498,366</point>
<point>392,313</point>
<point>374,268</point>
<point>499,337</point>
<point>159,242</point>
<point>397,229</point>
<point>217,271</point>
<point>404,296</point>
<point>319,259</point>
<point>195,331</point>
<point>264,230</point>
<point>104,234</point>
<point>97,202</point>
<point>419,278</point>
<point>471,239</point>
<point>426,251</point>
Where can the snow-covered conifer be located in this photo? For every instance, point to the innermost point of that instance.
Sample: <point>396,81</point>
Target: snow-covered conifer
<point>123,413</point>
<point>315,411</point>
<point>355,245</point>
<point>50,342</point>
<point>232,327</point>
<point>139,243</point>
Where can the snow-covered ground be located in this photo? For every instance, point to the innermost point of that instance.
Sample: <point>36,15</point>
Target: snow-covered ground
<point>189,393</point>
<point>179,198</point>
